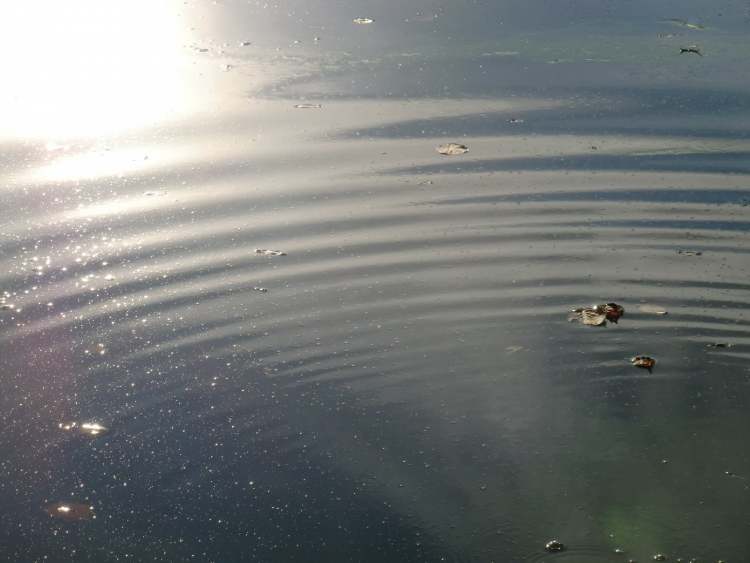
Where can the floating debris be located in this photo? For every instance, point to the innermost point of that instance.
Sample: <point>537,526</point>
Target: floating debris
<point>659,557</point>
<point>70,511</point>
<point>266,252</point>
<point>652,309</point>
<point>261,289</point>
<point>644,362</point>
<point>226,67</point>
<point>452,149</point>
<point>684,23</point>
<point>308,106</point>
<point>719,345</point>
<point>515,120</point>
<point>554,546</point>
<point>363,21</point>
<point>692,49</point>
<point>245,43</point>
<point>85,428</point>
<point>690,252</point>
<point>597,315</point>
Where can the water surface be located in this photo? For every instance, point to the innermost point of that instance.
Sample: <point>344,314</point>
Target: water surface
<point>403,384</point>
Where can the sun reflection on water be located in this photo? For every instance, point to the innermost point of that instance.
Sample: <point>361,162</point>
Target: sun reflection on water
<point>85,68</point>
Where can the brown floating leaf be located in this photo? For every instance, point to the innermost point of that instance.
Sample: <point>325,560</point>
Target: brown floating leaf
<point>452,149</point>
<point>70,511</point>
<point>644,362</point>
<point>597,315</point>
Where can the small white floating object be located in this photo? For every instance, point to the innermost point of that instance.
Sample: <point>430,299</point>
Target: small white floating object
<point>452,149</point>
<point>87,428</point>
<point>261,289</point>
<point>308,106</point>
<point>363,21</point>
<point>266,252</point>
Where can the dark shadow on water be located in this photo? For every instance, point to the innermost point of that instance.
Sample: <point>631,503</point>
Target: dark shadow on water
<point>706,162</point>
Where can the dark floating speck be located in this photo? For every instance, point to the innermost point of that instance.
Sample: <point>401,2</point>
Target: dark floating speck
<point>554,546</point>
<point>692,49</point>
<point>690,252</point>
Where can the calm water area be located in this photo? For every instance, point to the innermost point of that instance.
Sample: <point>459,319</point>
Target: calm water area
<point>399,381</point>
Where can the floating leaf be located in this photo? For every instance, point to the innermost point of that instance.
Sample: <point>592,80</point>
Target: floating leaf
<point>597,315</point>
<point>266,252</point>
<point>644,362</point>
<point>363,21</point>
<point>70,511</point>
<point>554,546</point>
<point>452,149</point>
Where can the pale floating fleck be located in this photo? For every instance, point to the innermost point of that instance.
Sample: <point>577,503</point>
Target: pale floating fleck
<point>652,309</point>
<point>597,315</point>
<point>659,557</point>
<point>719,345</point>
<point>153,193</point>
<point>689,252</point>
<point>245,43</point>
<point>452,149</point>
<point>308,106</point>
<point>70,511</point>
<point>85,428</point>
<point>515,120</point>
<point>363,21</point>
<point>513,349</point>
<point>261,289</point>
<point>644,362</point>
<point>267,252</point>
<point>554,546</point>
<point>684,23</point>
<point>501,54</point>
<point>226,67</point>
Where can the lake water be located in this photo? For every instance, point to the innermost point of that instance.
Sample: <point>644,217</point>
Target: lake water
<point>403,383</point>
